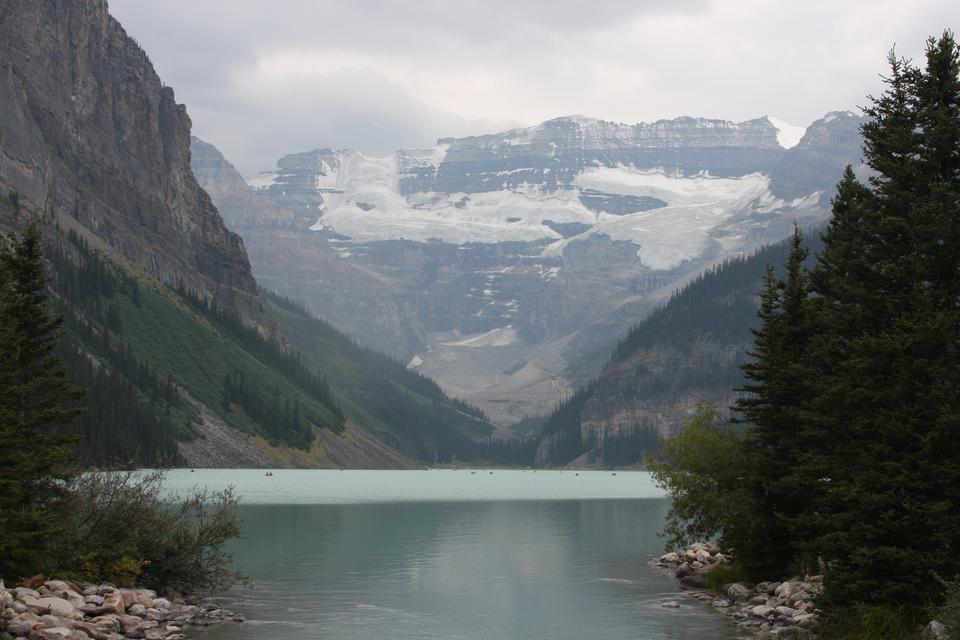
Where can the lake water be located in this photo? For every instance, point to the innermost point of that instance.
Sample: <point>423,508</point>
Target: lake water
<point>452,555</point>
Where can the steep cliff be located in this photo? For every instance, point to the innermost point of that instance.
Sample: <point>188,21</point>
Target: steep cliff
<point>89,131</point>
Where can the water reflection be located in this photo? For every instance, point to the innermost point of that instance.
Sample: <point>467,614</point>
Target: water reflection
<point>452,570</point>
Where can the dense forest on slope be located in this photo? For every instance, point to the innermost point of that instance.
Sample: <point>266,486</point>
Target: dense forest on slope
<point>691,347</point>
<point>403,407</point>
<point>140,347</point>
<point>136,344</point>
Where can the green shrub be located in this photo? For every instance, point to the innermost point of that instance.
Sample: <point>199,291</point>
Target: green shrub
<point>875,622</point>
<point>724,574</point>
<point>701,467</point>
<point>122,530</point>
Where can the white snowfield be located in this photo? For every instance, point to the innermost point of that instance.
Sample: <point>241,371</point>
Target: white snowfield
<point>362,200</point>
<point>697,207</point>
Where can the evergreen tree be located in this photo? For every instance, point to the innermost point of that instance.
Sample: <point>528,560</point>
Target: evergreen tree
<point>35,408</point>
<point>774,406</point>
<point>888,384</point>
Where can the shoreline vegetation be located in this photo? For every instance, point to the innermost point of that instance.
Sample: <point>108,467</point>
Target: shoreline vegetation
<point>842,460</point>
<point>98,533</point>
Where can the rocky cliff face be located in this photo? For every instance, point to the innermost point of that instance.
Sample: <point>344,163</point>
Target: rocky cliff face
<point>89,135</point>
<point>506,266</point>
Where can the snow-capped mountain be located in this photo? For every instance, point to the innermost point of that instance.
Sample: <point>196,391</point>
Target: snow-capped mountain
<point>499,264</point>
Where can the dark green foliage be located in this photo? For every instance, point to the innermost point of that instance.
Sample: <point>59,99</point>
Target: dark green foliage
<point>702,468</point>
<point>268,350</point>
<point>37,405</point>
<point>851,457</point>
<point>135,351</point>
<point>887,301</point>
<point>875,622</point>
<point>782,475</point>
<point>516,452</point>
<point>628,448</point>
<point>718,306</point>
<point>280,418</point>
<point>404,408</point>
<point>133,415</point>
<point>723,574</point>
<point>562,427</point>
<point>120,528</point>
<point>99,526</point>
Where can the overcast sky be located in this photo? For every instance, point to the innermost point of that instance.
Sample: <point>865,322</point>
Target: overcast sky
<point>269,77</point>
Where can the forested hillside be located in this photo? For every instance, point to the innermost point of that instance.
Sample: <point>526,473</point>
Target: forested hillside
<point>401,406</point>
<point>143,349</point>
<point>690,349</point>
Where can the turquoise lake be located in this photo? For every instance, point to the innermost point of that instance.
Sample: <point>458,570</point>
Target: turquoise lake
<point>453,555</point>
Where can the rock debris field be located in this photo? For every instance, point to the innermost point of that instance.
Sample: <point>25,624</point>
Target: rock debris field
<point>61,610</point>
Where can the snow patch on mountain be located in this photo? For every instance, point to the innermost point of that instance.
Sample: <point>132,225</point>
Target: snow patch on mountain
<point>262,180</point>
<point>500,337</point>
<point>361,200</point>
<point>788,135</point>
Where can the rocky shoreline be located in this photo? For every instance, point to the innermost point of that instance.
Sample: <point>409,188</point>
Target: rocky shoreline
<point>63,610</point>
<point>767,609</point>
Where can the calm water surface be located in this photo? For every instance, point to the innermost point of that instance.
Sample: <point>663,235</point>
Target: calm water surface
<point>453,555</point>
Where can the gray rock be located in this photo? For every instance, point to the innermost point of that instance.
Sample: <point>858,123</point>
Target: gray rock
<point>934,631</point>
<point>761,611</point>
<point>704,556</point>
<point>694,581</point>
<point>807,620</point>
<point>57,633</point>
<point>669,604</point>
<point>22,623</point>
<point>786,612</point>
<point>789,588</point>
<point>738,591</point>
<point>131,626</point>
<point>55,606</point>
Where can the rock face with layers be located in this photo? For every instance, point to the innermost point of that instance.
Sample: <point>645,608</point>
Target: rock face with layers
<point>89,133</point>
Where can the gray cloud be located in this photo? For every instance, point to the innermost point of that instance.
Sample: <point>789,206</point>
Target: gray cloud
<point>264,79</point>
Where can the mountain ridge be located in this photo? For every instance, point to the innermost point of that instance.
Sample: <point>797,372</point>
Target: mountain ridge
<point>558,238</point>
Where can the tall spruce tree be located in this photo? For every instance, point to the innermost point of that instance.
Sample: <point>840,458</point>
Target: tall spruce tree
<point>773,405</point>
<point>886,407</point>
<point>36,409</point>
